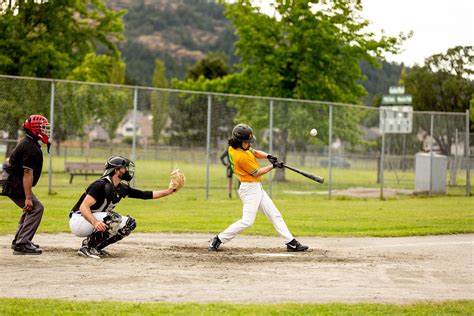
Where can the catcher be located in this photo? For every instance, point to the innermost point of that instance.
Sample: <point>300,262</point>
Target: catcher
<point>93,216</point>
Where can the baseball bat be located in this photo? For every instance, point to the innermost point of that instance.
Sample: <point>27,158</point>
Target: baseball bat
<point>306,174</point>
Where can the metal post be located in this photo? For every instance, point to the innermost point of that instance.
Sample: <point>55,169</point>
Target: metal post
<point>51,123</point>
<point>330,153</point>
<point>382,159</point>
<point>270,140</point>
<point>208,142</point>
<point>134,138</point>
<point>431,155</point>
<point>468,157</point>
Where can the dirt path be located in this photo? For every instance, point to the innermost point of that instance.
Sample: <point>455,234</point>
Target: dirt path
<point>178,268</point>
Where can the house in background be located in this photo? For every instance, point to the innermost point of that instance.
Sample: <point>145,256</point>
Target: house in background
<point>144,127</point>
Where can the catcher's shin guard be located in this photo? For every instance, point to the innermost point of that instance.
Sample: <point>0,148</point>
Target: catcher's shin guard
<point>123,232</point>
<point>96,239</point>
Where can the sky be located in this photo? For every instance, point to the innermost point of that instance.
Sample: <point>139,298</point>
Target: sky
<point>436,24</point>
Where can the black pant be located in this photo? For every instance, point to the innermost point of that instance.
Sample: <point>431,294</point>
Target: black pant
<point>29,221</point>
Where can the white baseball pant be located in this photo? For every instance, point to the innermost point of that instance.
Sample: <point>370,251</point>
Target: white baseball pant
<point>254,198</point>
<point>82,228</point>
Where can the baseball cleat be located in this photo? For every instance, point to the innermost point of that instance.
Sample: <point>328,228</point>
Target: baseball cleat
<point>295,246</point>
<point>88,252</point>
<point>214,243</point>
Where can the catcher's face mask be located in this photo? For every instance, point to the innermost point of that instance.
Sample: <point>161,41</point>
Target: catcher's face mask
<point>129,172</point>
<point>116,163</point>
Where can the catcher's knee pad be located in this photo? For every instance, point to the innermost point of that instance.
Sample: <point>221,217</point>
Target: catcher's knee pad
<point>113,221</point>
<point>130,225</point>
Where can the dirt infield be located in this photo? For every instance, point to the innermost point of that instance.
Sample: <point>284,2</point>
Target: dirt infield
<point>250,269</point>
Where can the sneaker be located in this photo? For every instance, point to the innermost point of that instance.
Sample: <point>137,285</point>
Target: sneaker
<point>230,195</point>
<point>88,252</point>
<point>294,246</point>
<point>26,249</point>
<point>214,243</point>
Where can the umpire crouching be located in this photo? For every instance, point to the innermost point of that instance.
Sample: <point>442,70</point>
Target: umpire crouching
<point>20,175</point>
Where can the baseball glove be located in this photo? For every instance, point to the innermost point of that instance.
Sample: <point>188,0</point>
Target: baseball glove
<point>177,180</point>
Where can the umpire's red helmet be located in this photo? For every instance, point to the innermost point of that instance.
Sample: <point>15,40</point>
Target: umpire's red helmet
<point>37,126</point>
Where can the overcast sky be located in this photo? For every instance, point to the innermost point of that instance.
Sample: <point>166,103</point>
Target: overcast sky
<point>437,25</point>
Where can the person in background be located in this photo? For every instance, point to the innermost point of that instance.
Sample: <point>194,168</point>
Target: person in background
<point>229,172</point>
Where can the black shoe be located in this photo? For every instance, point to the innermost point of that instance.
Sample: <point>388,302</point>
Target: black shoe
<point>31,243</point>
<point>294,246</point>
<point>214,243</point>
<point>230,195</point>
<point>88,252</point>
<point>26,249</point>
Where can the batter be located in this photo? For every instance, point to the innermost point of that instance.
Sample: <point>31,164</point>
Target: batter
<point>243,160</point>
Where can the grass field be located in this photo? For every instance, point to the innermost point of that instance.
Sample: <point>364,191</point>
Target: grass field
<point>305,214</point>
<point>309,214</point>
<point>63,307</point>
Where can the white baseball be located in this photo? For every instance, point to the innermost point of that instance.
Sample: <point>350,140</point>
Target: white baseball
<point>314,132</point>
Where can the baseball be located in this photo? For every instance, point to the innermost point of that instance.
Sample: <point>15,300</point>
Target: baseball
<point>314,132</point>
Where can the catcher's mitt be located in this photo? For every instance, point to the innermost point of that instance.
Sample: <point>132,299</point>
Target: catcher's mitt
<point>177,180</point>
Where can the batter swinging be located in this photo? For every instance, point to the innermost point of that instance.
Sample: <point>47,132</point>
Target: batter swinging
<point>244,163</point>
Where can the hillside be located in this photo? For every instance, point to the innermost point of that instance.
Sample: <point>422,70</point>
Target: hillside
<point>181,32</point>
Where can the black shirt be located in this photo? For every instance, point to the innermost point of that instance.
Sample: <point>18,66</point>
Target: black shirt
<point>107,196</point>
<point>27,154</point>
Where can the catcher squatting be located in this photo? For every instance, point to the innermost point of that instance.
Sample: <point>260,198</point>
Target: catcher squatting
<point>93,215</point>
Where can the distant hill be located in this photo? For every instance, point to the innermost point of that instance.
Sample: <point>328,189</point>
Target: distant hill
<point>181,32</point>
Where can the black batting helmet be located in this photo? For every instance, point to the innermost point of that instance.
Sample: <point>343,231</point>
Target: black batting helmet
<point>243,133</point>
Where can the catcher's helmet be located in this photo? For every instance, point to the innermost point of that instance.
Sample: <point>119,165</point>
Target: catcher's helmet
<point>243,133</point>
<point>37,126</point>
<point>116,162</point>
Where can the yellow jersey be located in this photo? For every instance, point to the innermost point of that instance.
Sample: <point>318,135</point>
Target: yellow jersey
<point>244,164</point>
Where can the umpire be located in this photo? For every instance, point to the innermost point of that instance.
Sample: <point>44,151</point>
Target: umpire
<point>21,174</point>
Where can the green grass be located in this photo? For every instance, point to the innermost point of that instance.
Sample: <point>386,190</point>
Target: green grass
<point>305,214</point>
<point>64,307</point>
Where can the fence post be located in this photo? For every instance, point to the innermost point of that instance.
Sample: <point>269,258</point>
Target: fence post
<point>431,155</point>
<point>468,156</point>
<point>330,153</point>
<point>134,138</point>
<point>270,140</point>
<point>51,123</point>
<point>382,159</point>
<point>208,142</point>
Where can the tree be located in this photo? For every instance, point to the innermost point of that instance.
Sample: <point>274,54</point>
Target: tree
<point>444,83</point>
<point>306,51</point>
<point>104,105</point>
<point>49,39</point>
<point>214,65</point>
<point>189,115</point>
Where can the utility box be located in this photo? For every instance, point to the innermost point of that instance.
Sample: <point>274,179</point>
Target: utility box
<point>422,169</point>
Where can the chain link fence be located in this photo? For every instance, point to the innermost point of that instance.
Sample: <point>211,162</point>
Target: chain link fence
<point>162,129</point>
